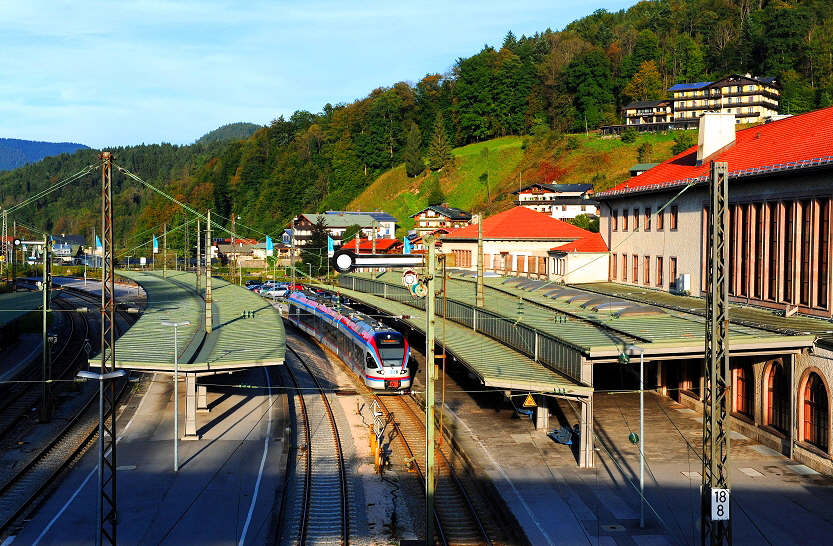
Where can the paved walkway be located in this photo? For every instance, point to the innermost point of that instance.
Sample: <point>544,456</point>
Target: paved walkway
<point>775,500</point>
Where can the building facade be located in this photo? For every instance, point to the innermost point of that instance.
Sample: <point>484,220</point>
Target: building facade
<point>750,99</point>
<point>434,217</point>
<point>779,253</point>
<point>516,242</point>
<point>561,201</point>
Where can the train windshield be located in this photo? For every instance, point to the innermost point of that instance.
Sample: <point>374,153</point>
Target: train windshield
<point>391,347</point>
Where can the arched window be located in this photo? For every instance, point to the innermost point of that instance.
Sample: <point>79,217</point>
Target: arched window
<point>816,425</point>
<point>778,398</point>
<point>744,389</point>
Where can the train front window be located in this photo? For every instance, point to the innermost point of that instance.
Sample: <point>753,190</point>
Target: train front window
<point>391,347</point>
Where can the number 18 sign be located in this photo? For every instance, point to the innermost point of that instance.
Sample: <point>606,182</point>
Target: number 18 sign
<point>720,504</point>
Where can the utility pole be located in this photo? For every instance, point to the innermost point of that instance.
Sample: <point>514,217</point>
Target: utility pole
<point>292,252</point>
<point>715,525</point>
<point>232,264</point>
<point>46,386</point>
<point>479,285</point>
<point>199,264</point>
<point>106,510</point>
<point>208,312</point>
<point>165,251</point>
<point>430,376</point>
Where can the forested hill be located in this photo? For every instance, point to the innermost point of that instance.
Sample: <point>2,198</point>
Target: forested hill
<point>231,131</point>
<point>16,153</point>
<point>536,88</point>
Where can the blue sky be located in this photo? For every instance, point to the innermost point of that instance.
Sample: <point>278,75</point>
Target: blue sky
<point>149,71</point>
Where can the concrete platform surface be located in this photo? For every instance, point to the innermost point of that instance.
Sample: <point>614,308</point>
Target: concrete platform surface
<point>222,494</point>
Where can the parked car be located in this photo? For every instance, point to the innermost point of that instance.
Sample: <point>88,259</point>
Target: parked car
<point>274,292</point>
<point>253,287</point>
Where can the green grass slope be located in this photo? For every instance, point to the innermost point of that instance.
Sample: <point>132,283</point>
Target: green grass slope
<point>485,174</point>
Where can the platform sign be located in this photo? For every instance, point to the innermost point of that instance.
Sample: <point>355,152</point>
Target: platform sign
<point>344,260</point>
<point>529,402</point>
<point>409,277</point>
<point>720,504</point>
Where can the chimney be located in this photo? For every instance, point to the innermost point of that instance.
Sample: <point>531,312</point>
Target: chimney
<point>717,134</point>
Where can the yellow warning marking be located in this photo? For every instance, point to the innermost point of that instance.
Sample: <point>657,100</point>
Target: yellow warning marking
<point>529,402</point>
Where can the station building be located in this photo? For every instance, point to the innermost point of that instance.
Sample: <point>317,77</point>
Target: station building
<point>780,192</point>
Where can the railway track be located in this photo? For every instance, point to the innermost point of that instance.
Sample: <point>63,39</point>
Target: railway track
<point>457,514</point>
<point>461,515</point>
<point>22,490</point>
<point>64,441</point>
<point>315,509</point>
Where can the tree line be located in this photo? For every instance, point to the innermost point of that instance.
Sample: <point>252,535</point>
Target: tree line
<point>571,80</point>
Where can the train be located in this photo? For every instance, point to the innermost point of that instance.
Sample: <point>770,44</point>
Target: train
<point>377,354</point>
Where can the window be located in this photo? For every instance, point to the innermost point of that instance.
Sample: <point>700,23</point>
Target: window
<point>778,398</point>
<point>646,270</point>
<point>744,389</point>
<point>673,218</point>
<point>647,222</point>
<point>635,267</point>
<point>636,219</point>
<point>613,259</point>
<point>624,267</point>
<point>660,220</point>
<point>624,219</point>
<point>659,270</point>
<point>672,272</point>
<point>816,426</point>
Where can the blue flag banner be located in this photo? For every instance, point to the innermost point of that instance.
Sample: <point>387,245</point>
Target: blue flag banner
<point>330,247</point>
<point>98,244</point>
<point>155,245</point>
<point>407,247</point>
<point>270,247</point>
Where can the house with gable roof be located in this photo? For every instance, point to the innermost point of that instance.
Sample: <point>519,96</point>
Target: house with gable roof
<point>515,242</point>
<point>562,201</point>
<point>434,217</point>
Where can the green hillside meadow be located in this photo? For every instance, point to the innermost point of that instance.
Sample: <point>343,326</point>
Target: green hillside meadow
<point>512,162</point>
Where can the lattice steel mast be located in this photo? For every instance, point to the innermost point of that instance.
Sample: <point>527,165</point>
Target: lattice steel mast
<point>106,511</point>
<point>715,530</point>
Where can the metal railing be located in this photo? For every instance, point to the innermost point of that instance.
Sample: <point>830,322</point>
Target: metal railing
<point>540,346</point>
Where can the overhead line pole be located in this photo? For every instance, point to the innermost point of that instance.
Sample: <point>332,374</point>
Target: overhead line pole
<point>715,525</point>
<point>430,363</point>
<point>106,510</point>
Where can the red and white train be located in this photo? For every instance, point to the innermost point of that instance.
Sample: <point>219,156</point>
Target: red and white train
<point>378,354</point>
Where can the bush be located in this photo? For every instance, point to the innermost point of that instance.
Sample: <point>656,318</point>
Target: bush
<point>629,135</point>
<point>682,142</point>
<point>573,142</point>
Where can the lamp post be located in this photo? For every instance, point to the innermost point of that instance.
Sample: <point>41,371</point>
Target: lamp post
<point>624,359</point>
<point>101,378</point>
<point>176,326</point>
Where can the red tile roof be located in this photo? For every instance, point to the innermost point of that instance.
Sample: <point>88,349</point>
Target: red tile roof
<point>366,245</point>
<point>594,243</point>
<point>792,143</point>
<point>522,223</point>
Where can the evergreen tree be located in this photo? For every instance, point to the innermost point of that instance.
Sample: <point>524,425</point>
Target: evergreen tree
<point>435,192</point>
<point>414,164</point>
<point>314,254</point>
<point>439,151</point>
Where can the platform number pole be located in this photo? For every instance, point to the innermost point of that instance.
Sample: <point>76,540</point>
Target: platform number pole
<point>430,311</point>
<point>716,463</point>
<point>209,320</point>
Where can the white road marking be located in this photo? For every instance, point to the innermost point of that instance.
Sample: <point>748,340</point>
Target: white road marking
<point>262,460</point>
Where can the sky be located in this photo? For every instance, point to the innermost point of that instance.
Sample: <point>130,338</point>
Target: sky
<point>132,72</point>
